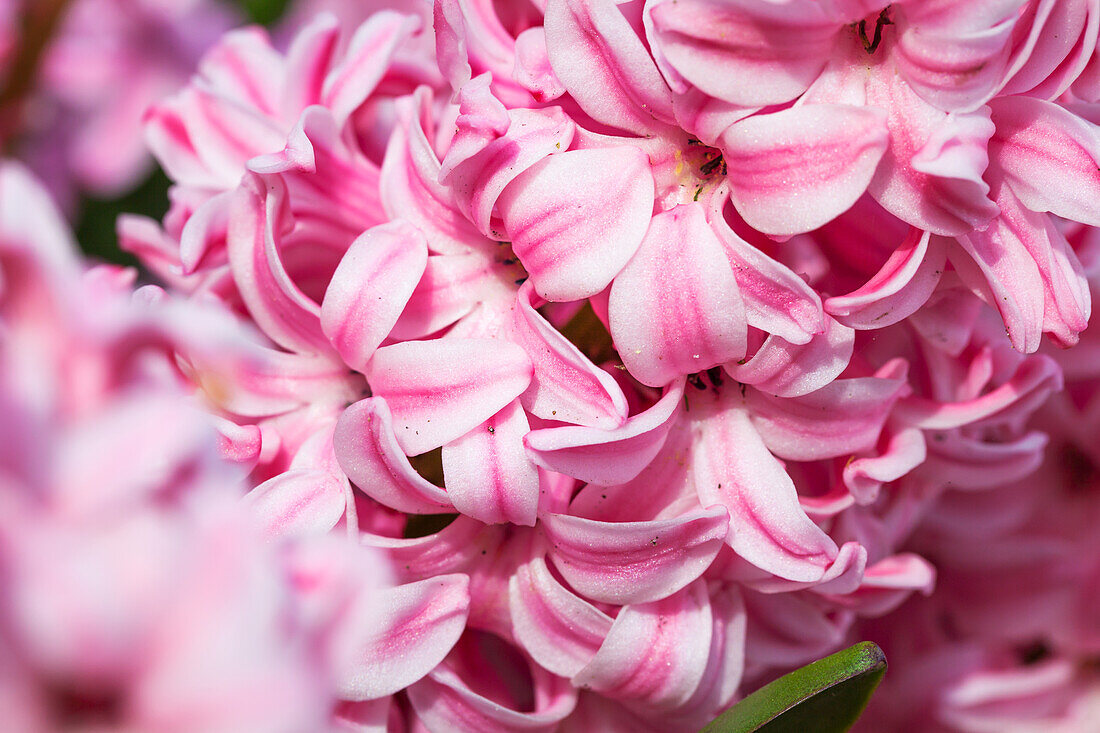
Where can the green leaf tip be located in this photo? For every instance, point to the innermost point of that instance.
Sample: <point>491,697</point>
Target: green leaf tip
<point>826,696</point>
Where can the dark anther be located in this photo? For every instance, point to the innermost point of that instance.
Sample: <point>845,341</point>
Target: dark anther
<point>696,380</point>
<point>870,46</point>
<point>521,281</point>
<point>715,376</point>
<point>712,165</point>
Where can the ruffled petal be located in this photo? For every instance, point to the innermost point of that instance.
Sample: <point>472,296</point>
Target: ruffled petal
<point>566,385</point>
<point>931,173</point>
<point>902,285</point>
<point>904,451</point>
<point>445,701</point>
<point>777,300</point>
<point>634,562</point>
<point>299,502</point>
<point>1035,379</point>
<point>409,184</point>
<point>954,54</point>
<point>560,630</point>
<point>607,457</point>
<point>655,653</point>
<point>843,417</point>
<point>605,66</point>
<point>1049,157</point>
<point>366,60</point>
<point>789,370</point>
<point>750,54</point>
<point>369,454</point>
<point>533,70</point>
<point>259,216</point>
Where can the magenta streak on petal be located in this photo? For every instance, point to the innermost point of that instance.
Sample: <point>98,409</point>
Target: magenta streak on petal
<point>634,562</point>
<point>488,474</point>
<point>438,390</point>
<point>607,457</point>
<point>566,385</point>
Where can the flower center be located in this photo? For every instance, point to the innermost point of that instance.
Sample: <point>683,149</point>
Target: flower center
<point>692,171</point>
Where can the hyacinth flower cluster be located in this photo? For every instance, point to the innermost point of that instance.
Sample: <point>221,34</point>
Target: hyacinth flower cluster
<point>573,365</point>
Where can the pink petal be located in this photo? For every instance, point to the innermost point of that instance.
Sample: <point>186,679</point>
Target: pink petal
<point>566,385</point>
<point>656,652</point>
<point>444,701</point>
<point>238,443</point>
<point>888,583</point>
<point>458,547</point>
<point>366,60</point>
<point>792,171</point>
<point>410,188</point>
<point>479,181</point>
<point>369,454</point>
<point>634,562</point>
<point>370,288</point>
<point>1050,157</point>
<point>726,661</point>
<point>901,286</point>
<point>607,457</point>
<point>471,40</point>
<point>767,526</point>
<point>777,301</point>
<point>488,474</point>
<point>481,120</point>
<point>439,390</point>
<point>845,416</point>
<point>276,303</point>
<point>577,217</point>
<point>605,66</point>
<point>1031,275</point>
<point>787,370</point>
<point>931,173</point>
<point>307,61</point>
<point>748,54</point>
<point>842,576</point>
<point>301,502</point>
<point>243,65</point>
<point>1059,46</point>
<point>452,286</point>
<point>905,450</point>
<point>390,639</point>
<point>953,54</point>
<point>792,629</point>
<point>533,71</point>
<point>1032,383</point>
<point>675,308</point>
<point>977,464</point>
<point>560,630</point>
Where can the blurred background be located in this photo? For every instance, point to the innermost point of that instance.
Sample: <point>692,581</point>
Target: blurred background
<point>72,96</point>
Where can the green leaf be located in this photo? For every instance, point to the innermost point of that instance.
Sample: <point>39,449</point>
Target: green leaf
<point>826,696</point>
